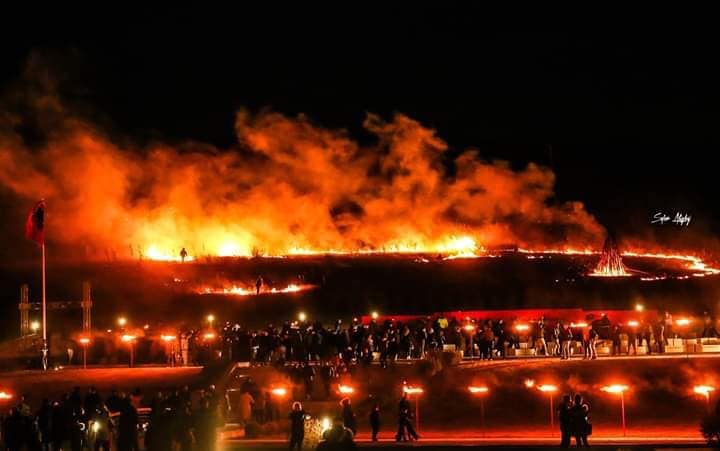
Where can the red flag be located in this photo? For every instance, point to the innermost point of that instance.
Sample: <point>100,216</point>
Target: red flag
<point>35,224</point>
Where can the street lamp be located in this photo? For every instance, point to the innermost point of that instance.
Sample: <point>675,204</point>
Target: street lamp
<point>35,326</point>
<point>550,389</point>
<point>345,389</point>
<point>417,391</point>
<point>279,392</point>
<point>5,396</point>
<point>470,329</point>
<point>705,391</point>
<point>122,321</point>
<point>84,341</point>
<point>618,388</point>
<point>210,319</point>
<point>130,339</point>
<point>639,307</point>
<point>374,315</point>
<point>302,317</point>
<point>481,391</point>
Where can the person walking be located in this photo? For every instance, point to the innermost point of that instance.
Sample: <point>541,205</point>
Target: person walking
<point>565,342</point>
<point>297,426</point>
<point>405,427</point>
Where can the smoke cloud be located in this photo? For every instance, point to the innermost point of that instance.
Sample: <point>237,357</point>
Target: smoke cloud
<point>289,185</point>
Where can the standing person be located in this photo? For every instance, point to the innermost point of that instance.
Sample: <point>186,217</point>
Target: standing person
<point>44,422</point>
<point>615,336</point>
<point>348,416</point>
<point>269,408</point>
<point>375,421</point>
<point>648,338</point>
<point>101,428</point>
<point>541,343</point>
<point>565,342</point>
<point>632,340</point>
<point>564,415</point>
<point>593,342</point>
<point>258,284</point>
<point>501,337</point>
<point>183,255</point>
<point>660,337</point>
<point>557,332</point>
<point>579,421</point>
<point>246,407</point>
<point>586,342</point>
<point>297,426</point>
<point>127,426</point>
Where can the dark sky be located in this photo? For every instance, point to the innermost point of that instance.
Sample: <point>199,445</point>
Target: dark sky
<point>625,116</point>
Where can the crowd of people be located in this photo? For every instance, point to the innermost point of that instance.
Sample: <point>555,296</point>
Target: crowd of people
<point>170,419</point>
<point>386,342</point>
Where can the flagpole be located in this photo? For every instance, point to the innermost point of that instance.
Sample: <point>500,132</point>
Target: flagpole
<point>44,313</point>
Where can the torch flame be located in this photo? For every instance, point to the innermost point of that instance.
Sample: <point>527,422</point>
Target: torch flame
<point>345,389</point>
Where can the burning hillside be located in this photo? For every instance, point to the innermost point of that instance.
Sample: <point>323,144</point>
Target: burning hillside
<point>288,187</point>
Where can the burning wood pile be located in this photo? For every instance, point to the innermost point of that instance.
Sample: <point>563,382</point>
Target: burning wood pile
<point>610,264</point>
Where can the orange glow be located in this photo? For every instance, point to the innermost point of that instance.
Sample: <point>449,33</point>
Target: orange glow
<point>5,395</point>
<point>579,325</point>
<point>480,389</point>
<point>345,389</point>
<point>610,263</point>
<point>252,291</point>
<point>209,336</point>
<point>469,328</point>
<point>522,327</point>
<point>84,341</point>
<point>410,390</point>
<point>374,315</point>
<point>639,307</point>
<point>704,390</point>
<point>122,321</point>
<point>128,338</point>
<point>633,323</point>
<point>168,338</point>
<point>683,321</point>
<point>529,383</point>
<point>615,388</point>
<point>280,391</point>
<point>547,388</point>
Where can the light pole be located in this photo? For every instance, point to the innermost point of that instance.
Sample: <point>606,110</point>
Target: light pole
<point>550,389</point>
<point>470,329</point>
<point>130,339</point>
<point>618,388</point>
<point>481,391</point>
<point>705,391</point>
<point>84,341</point>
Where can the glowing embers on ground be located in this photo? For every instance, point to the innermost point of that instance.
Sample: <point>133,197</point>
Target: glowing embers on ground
<point>238,290</point>
<point>610,264</point>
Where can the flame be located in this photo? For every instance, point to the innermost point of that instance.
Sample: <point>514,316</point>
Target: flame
<point>243,291</point>
<point>522,327</point>
<point>610,264</point>
<point>5,395</point>
<point>529,383</point>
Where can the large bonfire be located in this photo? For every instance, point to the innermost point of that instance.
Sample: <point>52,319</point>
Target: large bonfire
<point>610,264</point>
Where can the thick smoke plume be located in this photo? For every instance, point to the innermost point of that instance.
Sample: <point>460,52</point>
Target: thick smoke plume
<point>288,186</point>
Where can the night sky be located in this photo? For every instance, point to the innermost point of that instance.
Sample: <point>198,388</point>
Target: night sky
<point>626,119</point>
